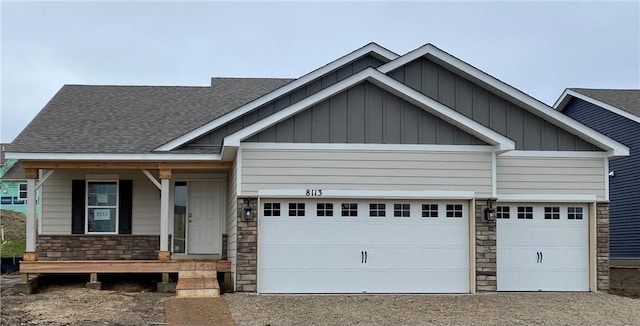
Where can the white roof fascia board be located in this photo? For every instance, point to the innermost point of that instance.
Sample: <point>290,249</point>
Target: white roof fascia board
<point>389,84</point>
<point>113,157</point>
<point>357,193</point>
<point>546,198</point>
<point>369,147</point>
<point>614,147</point>
<point>371,47</point>
<point>564,99</point>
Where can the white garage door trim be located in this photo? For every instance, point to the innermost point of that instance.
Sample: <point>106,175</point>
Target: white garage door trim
<point>371,194</point>
<point>396,275</point>
<point>543,246</point>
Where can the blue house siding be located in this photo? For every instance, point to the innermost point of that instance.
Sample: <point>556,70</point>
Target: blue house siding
<point>624,191</point>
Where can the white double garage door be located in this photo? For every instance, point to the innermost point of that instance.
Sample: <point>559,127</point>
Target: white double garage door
<point>379,246</point>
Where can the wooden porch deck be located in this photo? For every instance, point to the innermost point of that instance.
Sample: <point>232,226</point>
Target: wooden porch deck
<point>117,266</point>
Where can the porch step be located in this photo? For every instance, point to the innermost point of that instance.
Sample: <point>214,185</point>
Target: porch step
<point>197,279</point>
<point>197,287</point>
<point>197,274</point>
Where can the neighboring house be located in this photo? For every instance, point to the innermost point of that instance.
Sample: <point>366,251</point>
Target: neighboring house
<point>615,113</point>
<point>13,184</point>
<point>375,173</point>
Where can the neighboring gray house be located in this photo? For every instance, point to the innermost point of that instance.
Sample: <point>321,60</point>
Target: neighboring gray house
<point>377,173</point>
<point>615,113</point>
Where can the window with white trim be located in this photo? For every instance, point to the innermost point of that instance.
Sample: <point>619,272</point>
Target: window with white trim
<point>574,213</point>
<point>402,210</point>
<point>430,210</point>
<point>22,191</point>
<point>296,209</point>
<point>552,213</point>
<point>454,210</point>
<point>102,206</point>
<point>525,212</point>
<point>502,212</point>
<point>324,209</point>
<point>349,209</point>
<point>271,209</point>
<point>377,210</point>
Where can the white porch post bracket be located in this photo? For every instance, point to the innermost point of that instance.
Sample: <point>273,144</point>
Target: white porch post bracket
<point>31,215</point>
<point>165,176</point>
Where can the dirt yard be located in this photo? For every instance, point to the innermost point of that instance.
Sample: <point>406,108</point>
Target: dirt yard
<point>132,302</point>
<point>13,223</point>
<point>68,302</point>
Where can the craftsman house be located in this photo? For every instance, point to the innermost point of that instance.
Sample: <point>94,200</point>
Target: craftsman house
<point>375,173</point>
<point>615,113</point>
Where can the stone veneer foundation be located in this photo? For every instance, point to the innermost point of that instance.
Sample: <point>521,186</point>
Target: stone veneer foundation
<point>98,247</point>
<point>486,249</point>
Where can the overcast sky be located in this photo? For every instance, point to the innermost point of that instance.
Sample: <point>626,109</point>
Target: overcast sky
<point>540,48</point>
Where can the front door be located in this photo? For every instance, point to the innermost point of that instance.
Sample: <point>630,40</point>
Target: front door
<point>205,214</point>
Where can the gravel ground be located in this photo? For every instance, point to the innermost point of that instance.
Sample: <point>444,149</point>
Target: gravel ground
<point>482,309</point>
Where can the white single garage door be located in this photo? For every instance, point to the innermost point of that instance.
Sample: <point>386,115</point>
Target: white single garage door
<point>542,247</point>
<point>363,246</point>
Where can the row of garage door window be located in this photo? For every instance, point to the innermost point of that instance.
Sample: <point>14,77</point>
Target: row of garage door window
<point>550,212</point>
<point>351,210</point>
<point>428,211</point>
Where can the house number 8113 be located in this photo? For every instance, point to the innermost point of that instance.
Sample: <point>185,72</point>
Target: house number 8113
<point>314,192</point>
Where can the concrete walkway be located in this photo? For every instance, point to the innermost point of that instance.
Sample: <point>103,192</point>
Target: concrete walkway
<point>197,311</point>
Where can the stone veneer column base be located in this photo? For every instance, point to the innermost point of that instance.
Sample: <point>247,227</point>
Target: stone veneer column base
<point>602,246</point>
<point>247,255</point>
<point>486,268</point>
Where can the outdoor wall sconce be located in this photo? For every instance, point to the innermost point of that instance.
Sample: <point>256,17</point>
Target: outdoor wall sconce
<point>490,212</point>
<point>247,211</point>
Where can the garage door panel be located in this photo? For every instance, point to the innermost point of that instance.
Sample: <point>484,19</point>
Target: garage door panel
<point>411,256</point>
<point>323,254</point>
<point>312,256</point>
<point>305,280</point>
<point>544,253</point>
<point>400,280</point>
<point>510,279</point>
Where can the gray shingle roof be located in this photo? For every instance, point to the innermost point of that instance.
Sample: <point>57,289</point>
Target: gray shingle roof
<point>624,99</point>
<point>15,172</point>
<point>132,119</point>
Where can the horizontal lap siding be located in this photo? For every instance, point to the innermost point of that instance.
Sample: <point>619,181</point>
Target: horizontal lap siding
<point>366,170</point>
<point>529,175</point>
<point>56,202</point>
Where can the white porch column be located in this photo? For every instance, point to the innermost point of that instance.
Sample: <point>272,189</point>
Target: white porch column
<point>30,252</point>
<point>165,177</point>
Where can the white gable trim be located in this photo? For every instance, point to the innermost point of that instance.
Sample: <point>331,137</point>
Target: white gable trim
<point>615,148</point>
<point>371,47</point>
<point>113,157</point>
<point>564,99</point>
<point>387,83</point>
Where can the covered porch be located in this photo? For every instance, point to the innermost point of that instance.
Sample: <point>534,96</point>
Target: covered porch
<point>125,218</point>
